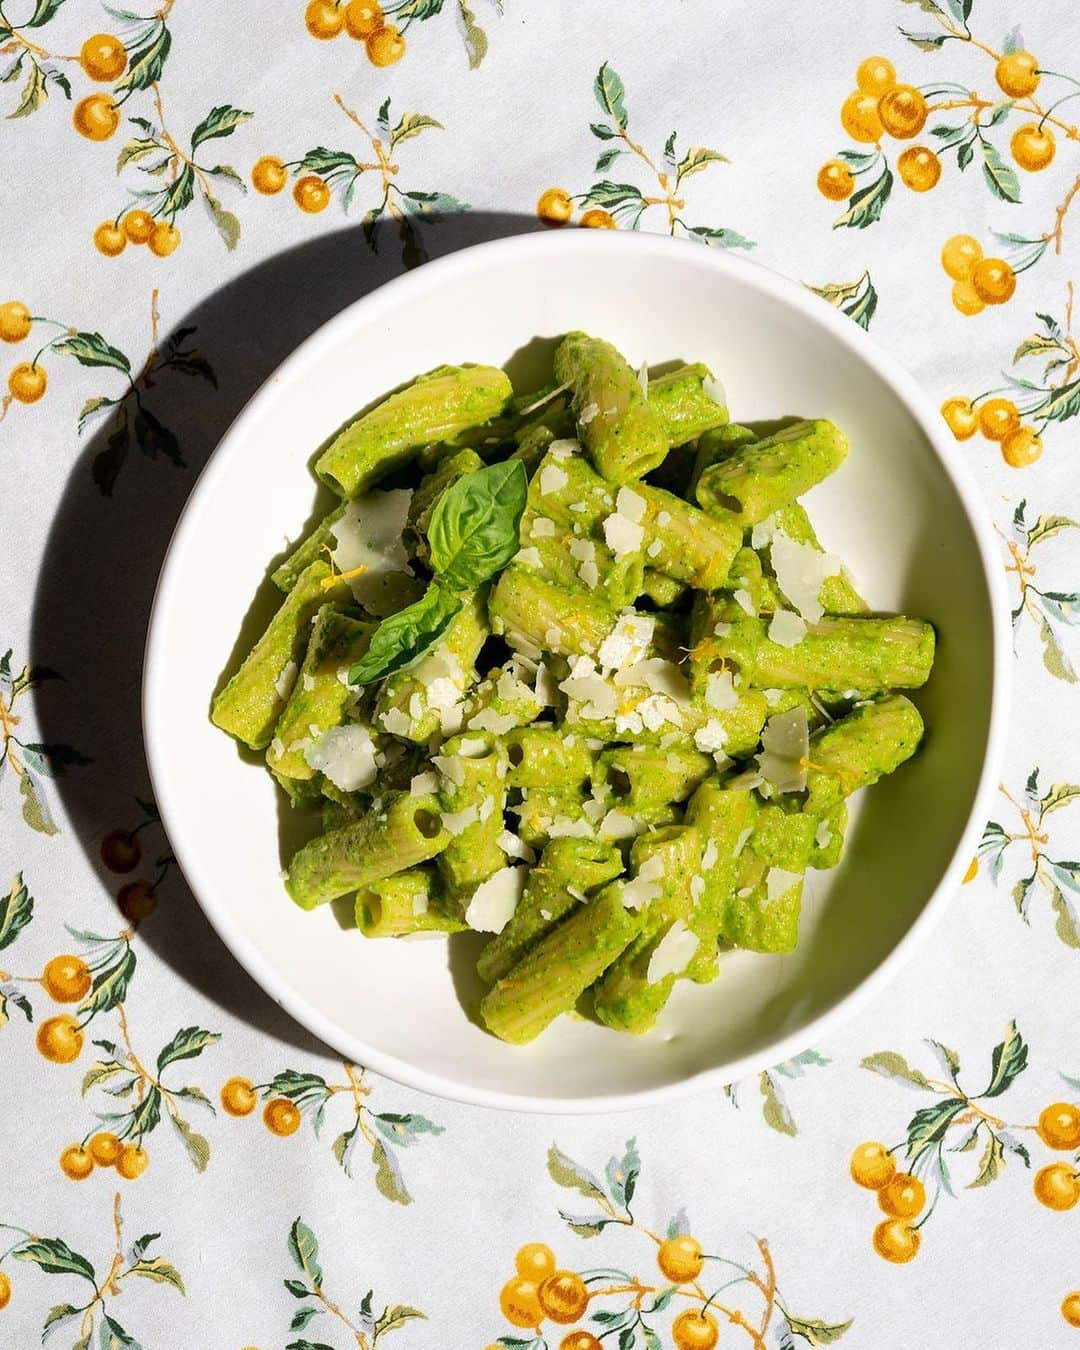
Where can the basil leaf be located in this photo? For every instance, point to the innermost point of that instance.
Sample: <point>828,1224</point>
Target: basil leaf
<point>473,530</point>
<point>403,638</point>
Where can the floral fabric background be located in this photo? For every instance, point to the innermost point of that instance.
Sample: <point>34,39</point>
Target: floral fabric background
<point>185,193</point>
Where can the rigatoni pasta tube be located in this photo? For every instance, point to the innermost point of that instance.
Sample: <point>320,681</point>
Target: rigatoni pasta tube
<point>633,991</point>
<point>472,793</point>
<point>548,757</point>
<point>759,477</point>
<point>620,432</point>
<point>762,913</point>
<point>724,817</point>
<point>406,831</point>
<point>408,902</point>
<point>558,970</point>
<point>253,700</point>
<point>566,874</point>
<point>681,402</point>
<point>437,407</point>
<point>534,614</point>
<point>860,748</point>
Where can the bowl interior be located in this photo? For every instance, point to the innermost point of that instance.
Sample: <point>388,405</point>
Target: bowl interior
<point>893,512</point>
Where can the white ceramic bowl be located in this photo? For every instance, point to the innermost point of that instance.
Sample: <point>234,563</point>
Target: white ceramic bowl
<point>901,511</point>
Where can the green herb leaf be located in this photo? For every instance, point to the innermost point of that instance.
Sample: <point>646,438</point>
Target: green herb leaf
<point>186,1044</point>
<point>220,121</point>
<point>473,531</point>
<point>304,1249</point>
<point>610,93</point>
<point>16,911</point>
<point>403,638</point>
<point>91,349</point>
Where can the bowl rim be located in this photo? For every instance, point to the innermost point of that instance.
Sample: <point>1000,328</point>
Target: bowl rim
<point>552,245</point>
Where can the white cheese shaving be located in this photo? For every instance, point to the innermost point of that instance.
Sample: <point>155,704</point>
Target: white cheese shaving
<point>515,847</point>
<point>451,767</point>
<point>628,641</point>
<point>762,534</point>
<point>746,601</point>
<point>773,696</point>
<point>277,747</point>
<point>711,736</point>
<point>800,571</point>
<point>552,479</point>
<point>487,719</point>
<point>643,377</point>
<point>714,389</point>
<point>396,721</point>
<point>721,630</point>
<point>369,536</point>
<point>710,856</point>
<point>346,755</point>
<point>593,809</point>
<point>697,887</point>
<point>458,821</point>
<point>542,527</point>
<point>673,953</point>
<point>564,448</point>
<point>546,688</point>
<point>588,413</point>
<point>823,834</point>
<point>421,784</point>
<point>622,535</point>
<point>664,518</point>
<point>309,683</point>
<point>494,901</point>
<point>473,747</point>
<point>420,903</point>
<point>654,548</point>
<point>566,827</point>
<point>785,749</point>
<point>720,690</point>
<point>579,506</point>
<point>778,882</point>
<point>285,680</point>
<point>630,504</point>
<point>787,628</point>
<point>620,825</point>
<point>742,841</point>
<point>645,886</point>
<point>528,557</point>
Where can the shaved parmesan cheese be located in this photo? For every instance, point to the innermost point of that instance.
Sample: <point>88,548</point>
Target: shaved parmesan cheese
<point>711,736</point>
<point>473,747</point>
<point>419,903</point>
<point>620,825</point>
<point>285,680</point>
<point>581,549</point>
<point>514,847</point>
<point>369,537</point>
<point>720,690</point>
<point>645,887</point>
<point>528,557</point>
<point>542,527</point>
<point>588,413</point>
<point>823,834</point>
<point>586,685</point>
<point>552,479</point>
<point>622,535</point>
<point>346,755</point>
<point>451,768</point>
<point>673,953</point>
<point>545,688</point>
<point>630,504</point>
<point>773,696</point>
<point>778,882</point>
<point>396,722</point>
<point>800,571</point>
<point>714,389</point>
<point>742,841</point>
<point>762,533</point>
<point>487,807</point>
<point>787,628</point>
<point>309,683</point>
<point>628,641</point>
<point>710,855</point>
<point>564,448</point>
<point>423,783</point>
<point>487,719</point>
<point>593,809</point>
<point>277,747</point>
<point>579,506</point>
<point>494,901</point>
<point>746,601</point>
<point>721,630</point>
<point>566,827</point>
<point>654,548</point>
<point>785,750</point>
<point>643,377</point>
<point>664,518</point>
<point>697,887</point>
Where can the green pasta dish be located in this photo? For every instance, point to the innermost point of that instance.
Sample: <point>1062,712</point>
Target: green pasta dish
<point>573,670</point>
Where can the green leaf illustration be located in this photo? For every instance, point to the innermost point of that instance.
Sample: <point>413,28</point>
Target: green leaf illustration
<point>34,92</point>
<point>473,530</point>
<point>57,1314</point>
<point>226,224</point>
<point>137,149</point>
<point>1047,526</point>
<point>35,810</point>
<point>866,206</point>
<point>186,1044</point>
<point>180,194</point>
<point>949,1058</point>
<point>432,203</point>
<point>91,349</point>
<point>612,195</point>
<point>698,157</point>
<point>891,1065</point>
<point>304,1250</point>
<point>402,639</point>
<point>1008,1061</point>
<point>474,37</point>
<point>145,1116</point>
<point>412,124</point>
<point>622,1174</point>
<point>198,1150</point>
<point>101,1072</point>
<point>565,1172</point>
<point>925,41</point>
<point>388,1177</point>
<point>147,61</point>
<point>1054,659</point>
<point>1061,404</point>
<point>326,163</point>
<point>220,121</point>
<point>110,984</point>
<point>302,1316</point>
<point>55,1257</point>
<point>192,363</point>
<point>297,1289</point>
<point>817,1332</point>
<point>16,911</point>
<point>992,1162</point>
<point>774,1109</point>
<point>610,94</point>
<point>93,405</point>
<point>1066,924</point>
<point>114,1337</point>
<point>929,1125</point>
<point>294,1084</point>
<point>395,1315</point>
<point>1000,177</point>
<point>43,12</point>
<point>160,1271</point>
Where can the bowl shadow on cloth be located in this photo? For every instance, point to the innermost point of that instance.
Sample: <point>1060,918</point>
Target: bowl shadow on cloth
<point>104,553</point>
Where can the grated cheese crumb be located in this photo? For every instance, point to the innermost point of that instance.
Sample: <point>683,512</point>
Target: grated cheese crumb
<point>552,479</point>
<point>673,953</point>
<point>494,901</point>
<point>787,628</point>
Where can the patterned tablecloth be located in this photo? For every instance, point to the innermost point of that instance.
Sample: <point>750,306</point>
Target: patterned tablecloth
<point>263,1193</point>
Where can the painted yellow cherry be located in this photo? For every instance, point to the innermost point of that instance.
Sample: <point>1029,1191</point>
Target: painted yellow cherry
<point>1017,74</point>
<point>1032,146</point>
<point>872,1165</point>
<point>96,117</point>
<point>993,281</point>
<point>859,117</point>
<point>555,206</point>
<point>363,17</point>
<point>385,46</point>
<point>5,1290</point>
<point>965,299</point>
<point>120,851</point>
<point>959,256</point>
<point>897,1241</point>
<point>903,1197</point>
<point>961,419</point>
<point>876,75</point>
<point>138,226</point>
<point>835,180</point>
<point>66,979</point>
<point>598,219</point>
<point>164,239</point>
<point>311,194</point>
<point>1021,448</point>
<point>269,175</point>
<point>535,1261</point>
<point>105,1148</point>
<point>15,321</point>
<point>903,112</point>
<point>695,1330</point>
<point>520,1303</point>
<point>997,417</point>
<point>281,1116</point>
<point>1070,1307</point>
<point>132,1162</point>
<point>563,1296</point>
<point>1057,1186</point>
<point>1059,1125</point>
<point>76,1162</point>
<point>323,19</point>
<point>60,1039</point>
<point>919,168</point>
<point>238,1097</point>
<point>103,57</point>
<point>110,239</point>
<point>680,1258</point>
